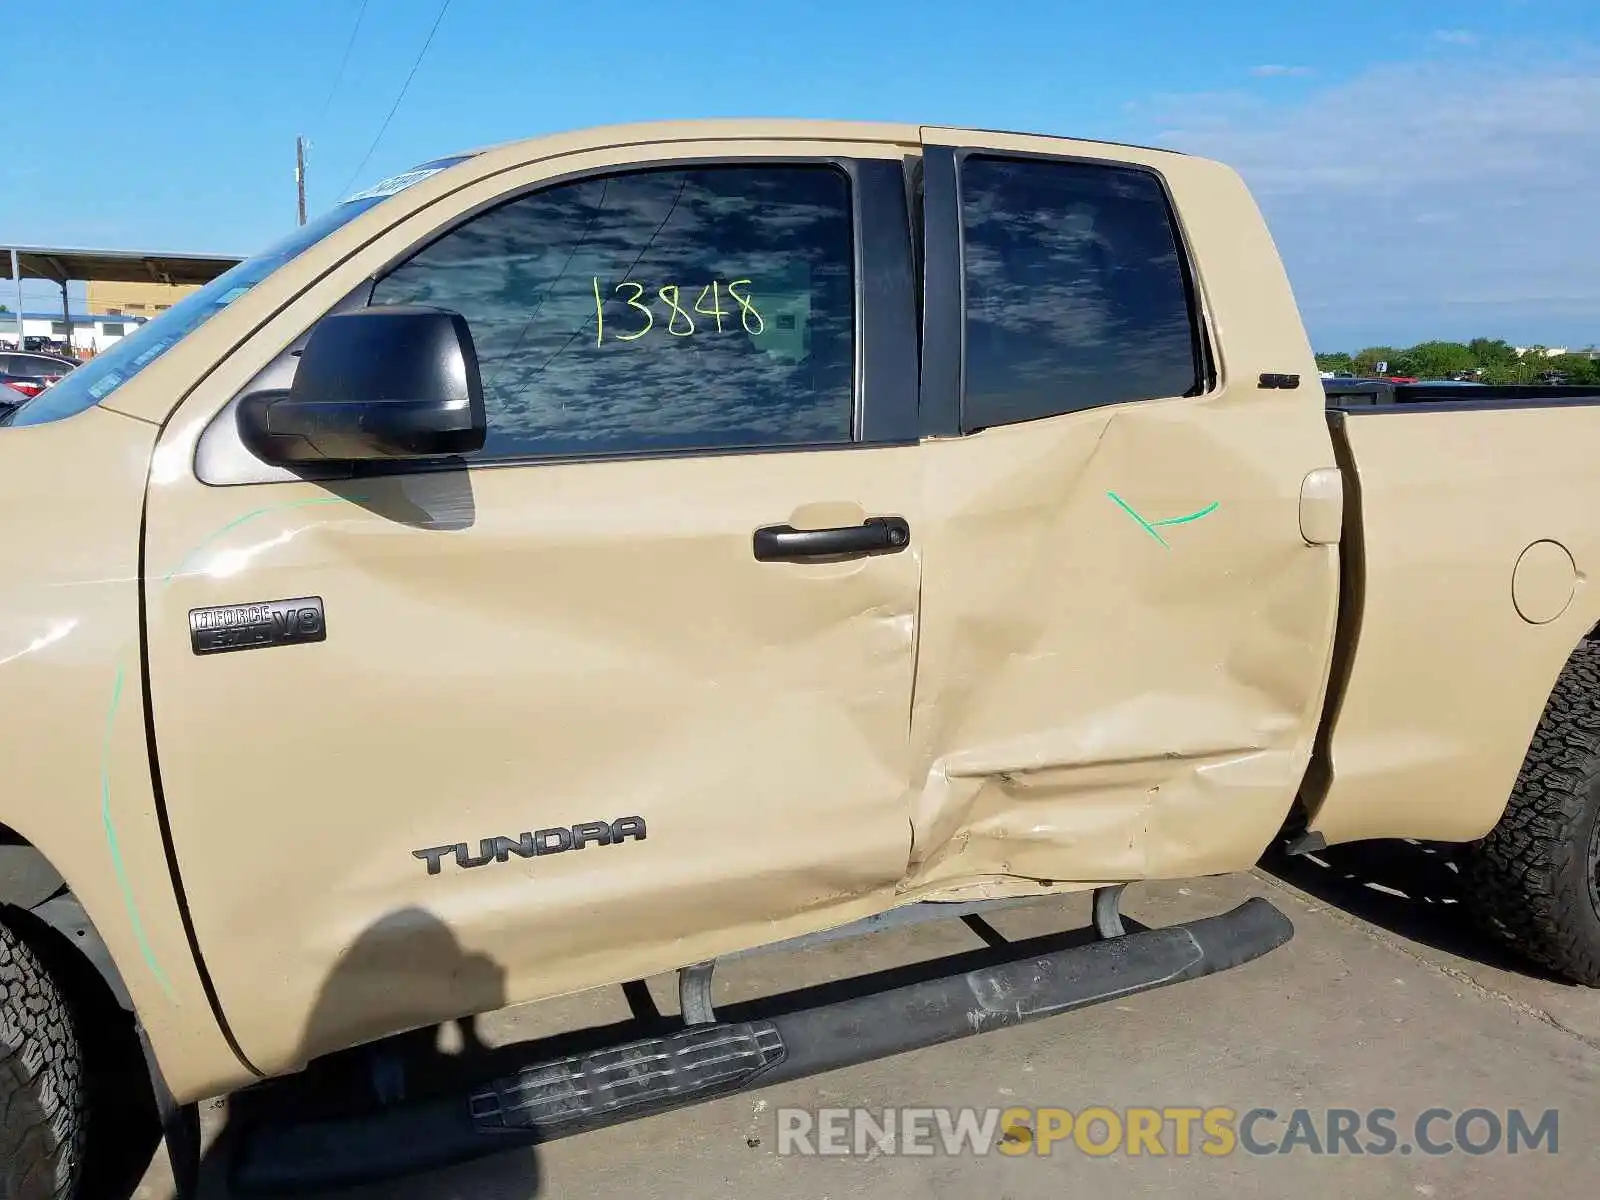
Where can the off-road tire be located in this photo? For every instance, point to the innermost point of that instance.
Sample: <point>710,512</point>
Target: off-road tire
<point>42,1099</point>
<point>1532,882</point>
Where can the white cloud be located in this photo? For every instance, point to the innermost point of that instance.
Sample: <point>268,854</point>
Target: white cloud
<point>1434,198</point>
<point>1274,69</point>
<point>1455,37</point>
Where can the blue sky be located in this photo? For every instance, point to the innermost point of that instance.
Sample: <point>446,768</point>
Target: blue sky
<point>1429,169</point>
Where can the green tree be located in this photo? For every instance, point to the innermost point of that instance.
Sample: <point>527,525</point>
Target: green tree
<point>1495,359</point>
<point>1440,360</point>
<point>1491,352</point>
<point>1576,367</point>
<point>1519,370</point>
<point>1367,360</point>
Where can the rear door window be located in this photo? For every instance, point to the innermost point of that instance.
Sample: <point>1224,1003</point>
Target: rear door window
<point>1076,290</point>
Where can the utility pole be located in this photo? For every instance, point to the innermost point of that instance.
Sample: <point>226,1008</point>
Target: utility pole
<point>300,174</point>
<point>16,273</point>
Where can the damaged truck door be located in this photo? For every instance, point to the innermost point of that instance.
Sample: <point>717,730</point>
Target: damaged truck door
<point>627,686</point>
<point>1125,636</point>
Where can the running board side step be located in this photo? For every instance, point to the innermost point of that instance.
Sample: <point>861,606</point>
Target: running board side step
<point>553,1099</point>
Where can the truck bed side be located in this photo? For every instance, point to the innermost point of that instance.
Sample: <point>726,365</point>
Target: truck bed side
<point>1469,543</point>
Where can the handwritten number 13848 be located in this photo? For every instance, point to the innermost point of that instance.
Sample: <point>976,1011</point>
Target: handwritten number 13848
<point>680,321</point>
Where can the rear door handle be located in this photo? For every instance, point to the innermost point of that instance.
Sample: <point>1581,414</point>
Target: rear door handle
<point>875,535</point>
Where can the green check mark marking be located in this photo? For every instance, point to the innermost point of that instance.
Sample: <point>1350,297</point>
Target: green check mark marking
<point>1153,528</point>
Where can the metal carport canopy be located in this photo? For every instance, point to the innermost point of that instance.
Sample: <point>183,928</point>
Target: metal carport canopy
<point>61,265</point>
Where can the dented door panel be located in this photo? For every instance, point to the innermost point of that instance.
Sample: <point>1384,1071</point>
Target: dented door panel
<point>1125,636</point>
<point>1094,704</point>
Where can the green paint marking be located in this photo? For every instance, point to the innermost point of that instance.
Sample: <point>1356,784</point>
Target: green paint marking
<point>1152,527</point>
<point>245,520</point>
<point>115,847</point>
<point>1194,516</point>
<point>1143,524</point>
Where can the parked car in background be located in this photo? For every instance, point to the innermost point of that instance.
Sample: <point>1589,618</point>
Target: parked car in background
<point>10,400</point>
<point>58,347</point>
<point>30,374</point>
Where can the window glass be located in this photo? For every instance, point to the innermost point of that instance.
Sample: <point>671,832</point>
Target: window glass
<point>1075,290</point>
<point>696,308</point>
<point>31,366</point>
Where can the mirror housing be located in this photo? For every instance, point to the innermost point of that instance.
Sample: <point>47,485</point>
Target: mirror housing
<point>390,382</point>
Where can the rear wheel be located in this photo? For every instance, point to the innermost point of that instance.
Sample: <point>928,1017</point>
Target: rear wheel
<point>1534,881</point>
<point>42,1097</point>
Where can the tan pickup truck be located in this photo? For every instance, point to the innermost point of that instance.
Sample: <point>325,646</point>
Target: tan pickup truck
<point>596,556</point>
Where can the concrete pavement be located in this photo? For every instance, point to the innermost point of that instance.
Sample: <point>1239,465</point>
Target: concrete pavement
<point>1384,999</point>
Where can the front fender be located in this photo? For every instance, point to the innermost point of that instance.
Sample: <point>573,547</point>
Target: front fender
<point>78,784</point>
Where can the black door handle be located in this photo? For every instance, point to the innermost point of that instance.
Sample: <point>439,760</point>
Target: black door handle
<point>875,535</point>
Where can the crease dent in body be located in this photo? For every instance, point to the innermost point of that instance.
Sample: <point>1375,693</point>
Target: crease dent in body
<point>969,765</point>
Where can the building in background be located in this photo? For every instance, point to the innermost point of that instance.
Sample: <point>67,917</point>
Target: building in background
<point>1589,352</point>
<point>91,333</point>
<point>133,299</point>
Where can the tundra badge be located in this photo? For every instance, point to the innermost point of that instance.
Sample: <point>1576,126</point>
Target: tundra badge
<point>252,626</point>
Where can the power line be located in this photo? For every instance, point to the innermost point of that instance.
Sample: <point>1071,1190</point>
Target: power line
<point>384,128</point>
<point>344,62</point>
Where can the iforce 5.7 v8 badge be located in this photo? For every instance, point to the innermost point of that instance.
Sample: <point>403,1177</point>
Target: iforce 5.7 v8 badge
<point>256,626</point>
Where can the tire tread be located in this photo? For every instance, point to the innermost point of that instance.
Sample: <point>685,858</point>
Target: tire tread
<point>1528,878</point>
<point>41,1079</point>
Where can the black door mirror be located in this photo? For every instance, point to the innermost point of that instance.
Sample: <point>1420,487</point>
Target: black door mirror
<point>374,383</point>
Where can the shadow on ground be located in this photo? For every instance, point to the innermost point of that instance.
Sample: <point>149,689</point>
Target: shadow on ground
<point>1413,889</point>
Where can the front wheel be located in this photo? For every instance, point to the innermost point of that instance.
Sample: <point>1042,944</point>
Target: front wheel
<point>42,1098</point>
<point>1534,881</point>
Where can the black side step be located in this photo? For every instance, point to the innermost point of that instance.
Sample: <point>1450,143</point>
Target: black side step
<point>552,1099</point>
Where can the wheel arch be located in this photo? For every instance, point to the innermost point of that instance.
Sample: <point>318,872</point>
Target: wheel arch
<point>29,881</point>
<point>1386,770</point>
<point>36,897</point>
<point>1534,717</point>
